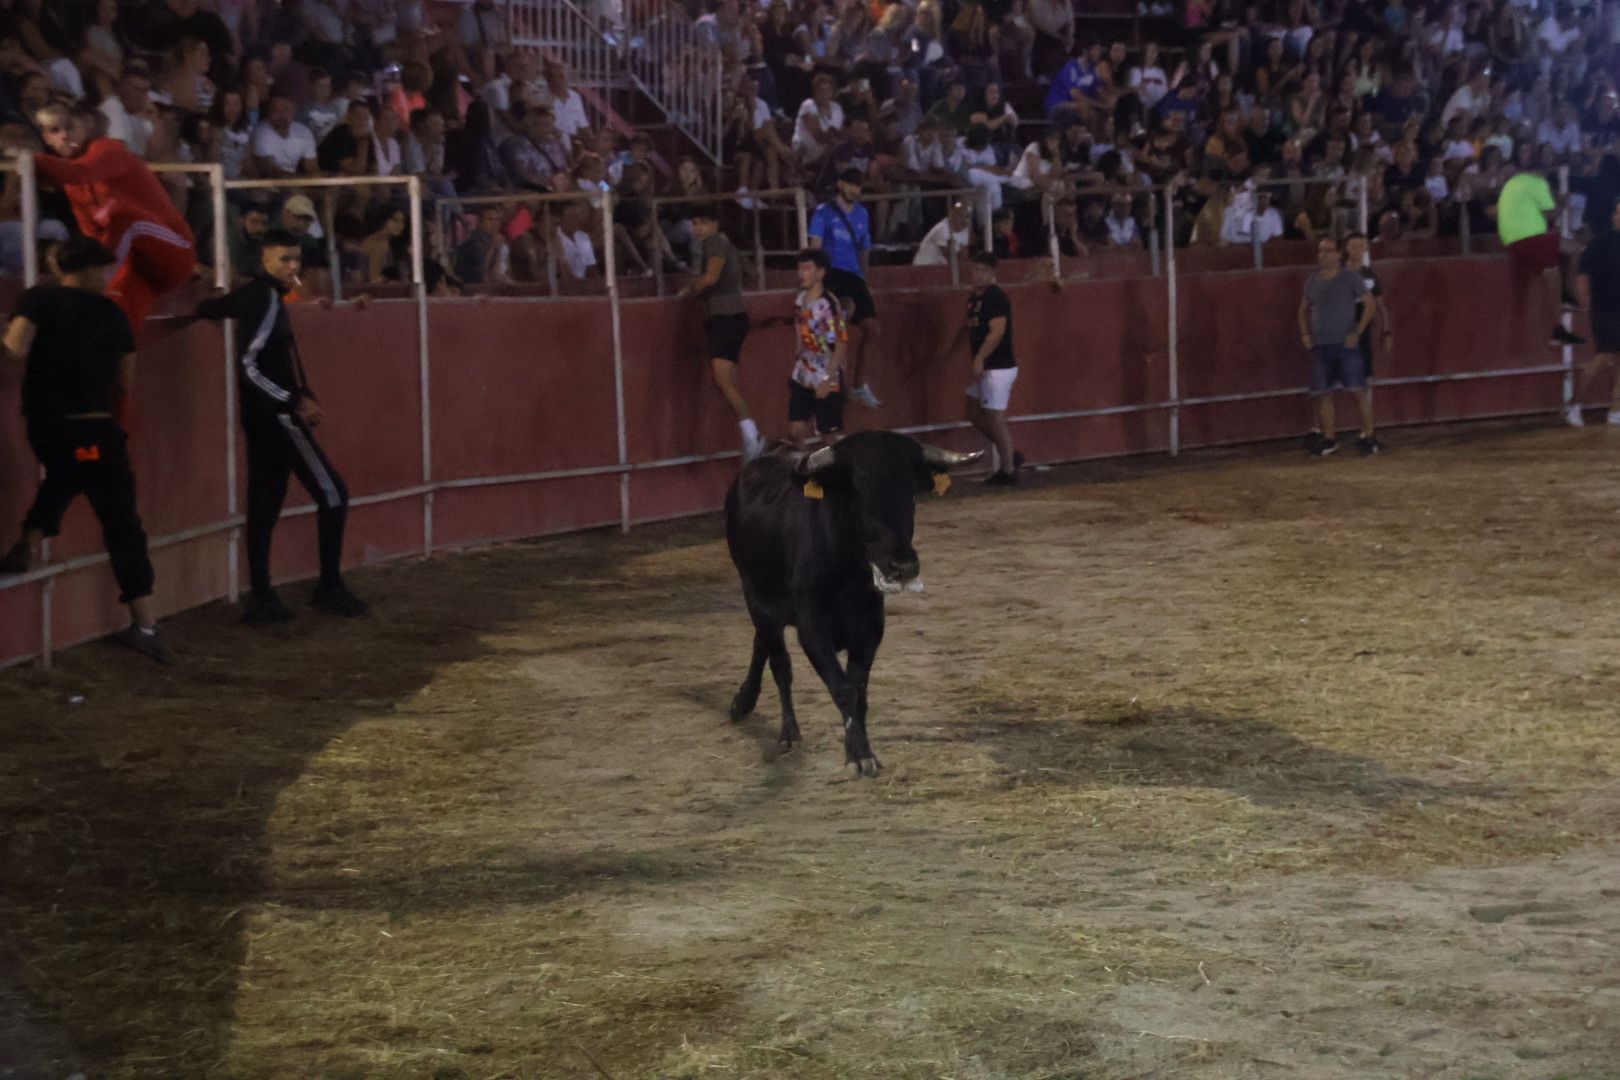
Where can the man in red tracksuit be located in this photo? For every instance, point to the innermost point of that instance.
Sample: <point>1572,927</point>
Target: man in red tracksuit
<point>119,202</point>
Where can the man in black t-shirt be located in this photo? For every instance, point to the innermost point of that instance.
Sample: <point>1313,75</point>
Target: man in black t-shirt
<point>989,334</point>
<point>80,356</point>
<point>1598,289</point>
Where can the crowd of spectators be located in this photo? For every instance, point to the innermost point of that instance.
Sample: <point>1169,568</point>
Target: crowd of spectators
<point>1264,113</point>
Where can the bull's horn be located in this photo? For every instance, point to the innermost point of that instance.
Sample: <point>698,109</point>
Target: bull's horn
<point>817,460</point>
<point>948,459</point>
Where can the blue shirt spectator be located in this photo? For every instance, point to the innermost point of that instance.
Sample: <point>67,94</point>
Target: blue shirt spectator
<point>1077,74</point>
<point>844,234</point>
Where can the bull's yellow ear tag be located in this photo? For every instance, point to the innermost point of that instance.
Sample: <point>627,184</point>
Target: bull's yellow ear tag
<point>813,490</point>
<point>942,483</point>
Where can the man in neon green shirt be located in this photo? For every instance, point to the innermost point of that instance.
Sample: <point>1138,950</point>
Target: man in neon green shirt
<point>1523,212</point>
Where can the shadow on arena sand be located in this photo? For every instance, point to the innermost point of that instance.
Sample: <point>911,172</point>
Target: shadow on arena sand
<point>136,802</point>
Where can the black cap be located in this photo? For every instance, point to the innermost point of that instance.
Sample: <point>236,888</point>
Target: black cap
<point>852,176</point>
<point>81,253</point>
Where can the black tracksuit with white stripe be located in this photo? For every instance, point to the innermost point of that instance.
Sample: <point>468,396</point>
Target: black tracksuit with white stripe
<point>271,383</point>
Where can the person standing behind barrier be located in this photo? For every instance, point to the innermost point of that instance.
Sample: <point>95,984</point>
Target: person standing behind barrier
<point>725,322</point>
<point>279,414</point>
<point>1356,258</point>
<point>80,356</point>
<point>1330,330</point>
<point>1598,288</point>
<point>989,334</point>
<point>841,228</point>
<point>816,388</point>
<point>1524,210</point>
<point>119,203</point>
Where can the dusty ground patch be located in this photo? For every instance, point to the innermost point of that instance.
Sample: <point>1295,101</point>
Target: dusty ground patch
<point>1249,767</point>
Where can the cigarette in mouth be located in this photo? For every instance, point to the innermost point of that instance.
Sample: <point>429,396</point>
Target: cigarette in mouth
<point>297,281</point>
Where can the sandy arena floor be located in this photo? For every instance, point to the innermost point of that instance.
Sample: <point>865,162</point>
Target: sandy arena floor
<point>1251,766</point>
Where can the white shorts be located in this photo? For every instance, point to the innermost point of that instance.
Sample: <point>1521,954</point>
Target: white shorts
<point>994,388</point>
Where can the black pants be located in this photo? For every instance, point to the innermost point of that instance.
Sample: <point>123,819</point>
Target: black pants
<point>91,458</point>
<point>278,448</point>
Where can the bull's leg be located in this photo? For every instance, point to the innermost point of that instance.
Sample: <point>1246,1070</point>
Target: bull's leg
<point>782,673</point>
<point>856,746</point>
<point>823,657</point>
<point>748,693</point>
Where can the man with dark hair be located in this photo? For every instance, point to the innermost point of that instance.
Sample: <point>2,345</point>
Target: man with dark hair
<point>988,330</point>
<point>279,414</point>
<point>1598,288</point>
<point>841,228</point>
<point>1331,331</point>
<point>816,389</point>
<point>1357,259</point>
<point>725,320</point>
<point>80,356</point>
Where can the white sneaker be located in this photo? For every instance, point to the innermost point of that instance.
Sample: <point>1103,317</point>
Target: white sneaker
<point>862,395</point>
<point>744,199</point>
<point>1573,417</point>
<point>1614,418</point>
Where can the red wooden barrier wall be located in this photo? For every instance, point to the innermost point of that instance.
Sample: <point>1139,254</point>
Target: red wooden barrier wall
<point>520,388</point>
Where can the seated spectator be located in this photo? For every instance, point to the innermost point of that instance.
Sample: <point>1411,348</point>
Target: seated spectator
<point>1471,100</point>
<point>1001,119</point>
<point>1003,237</point>
<point>515,88</point>
<point>1066,227</point>
<point>184,82</point>
<point>1094,223</point>
<point>901,114</point>
<point>634,214</point>
<point>537,158</point>
<point>819,121</point>
<point>472,156</point>
<point>281,145</point>
<point>953,112</point>
<point>484,257</point>
<point>325,110</point>
<point>386,249</point>
<point>348,150</point>
<point>1040,166</point>
<point>951,238</point>
<point>408,92</point>
<point>481,30</point>
<point>423,152</point>
<point>1077,91</point>
<point>1561,133</point>
<point>575,251</point>
<point>987,177</point>
<point>566,105</point>
<point>128,111</point>
<point>1123,231</point>
<point>235,130</point>
<point>929,156</point>
<point>245,242</point>
<point>385,149</point>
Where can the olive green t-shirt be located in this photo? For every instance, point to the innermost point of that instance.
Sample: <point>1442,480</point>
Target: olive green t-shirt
<point>724,296</point>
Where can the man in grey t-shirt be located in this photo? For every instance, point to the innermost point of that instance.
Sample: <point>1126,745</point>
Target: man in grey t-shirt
<point>726,318</point>
<point>1331,330</point>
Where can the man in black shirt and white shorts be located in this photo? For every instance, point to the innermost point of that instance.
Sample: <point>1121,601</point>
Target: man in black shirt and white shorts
<point>1598,289</point>
<point>989,334</point>
<point>80,355</point>
<point>725,322</point>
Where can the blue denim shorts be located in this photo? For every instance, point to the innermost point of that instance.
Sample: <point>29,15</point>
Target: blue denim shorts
<point>1337,366</point>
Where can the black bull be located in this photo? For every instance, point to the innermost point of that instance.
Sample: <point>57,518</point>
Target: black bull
<point>818,540</point>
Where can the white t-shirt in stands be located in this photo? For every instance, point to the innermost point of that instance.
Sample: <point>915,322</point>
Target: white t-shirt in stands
<point>288,150</point>
<point>577,253</point>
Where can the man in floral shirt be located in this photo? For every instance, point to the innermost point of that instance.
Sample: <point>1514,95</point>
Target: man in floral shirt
<point>816,389</point>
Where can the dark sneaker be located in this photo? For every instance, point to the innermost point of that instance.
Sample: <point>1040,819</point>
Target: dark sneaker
<point>265,610</point>
<point>17,560</point>
<point>1018,462</point>
<point>1324,447</point>
<point>1367,446</point>
<point>1560,336</point>
<point>1001,479</point>
<point>338,600</point>
<point>149,643</point>
<point>1313,439</point>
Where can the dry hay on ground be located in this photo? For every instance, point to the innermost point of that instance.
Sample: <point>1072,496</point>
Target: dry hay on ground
<point>1248,767</point>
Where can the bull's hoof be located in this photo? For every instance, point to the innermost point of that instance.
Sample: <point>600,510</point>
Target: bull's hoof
<point>740,710</point>
<point>868,767</point>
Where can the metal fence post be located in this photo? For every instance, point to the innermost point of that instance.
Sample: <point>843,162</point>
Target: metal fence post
<point>1049,208</point>
<point>1566,317</point>
<point>611,269</point>
<point>1153,232</point>
<point>1254,242</point>
<point>802,204</point>
<point>1173,335</point>
<point>1361,208</point>
<point>413,191</point>
<point>759,246</point>
<point>28,189</point>
<point>1465,227</point>
<point>222,280</point>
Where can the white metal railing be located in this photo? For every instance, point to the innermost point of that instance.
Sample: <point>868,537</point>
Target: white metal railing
<point>230,519</point>
<point>656,46</point>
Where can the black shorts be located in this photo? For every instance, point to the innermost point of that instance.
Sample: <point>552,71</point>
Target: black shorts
<point>827,412</point>
<point>852,287</point>
<point>725,334</point>
<point>1605,331</point>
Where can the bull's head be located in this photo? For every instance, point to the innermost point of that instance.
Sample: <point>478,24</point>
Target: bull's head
<point>873,478</point>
